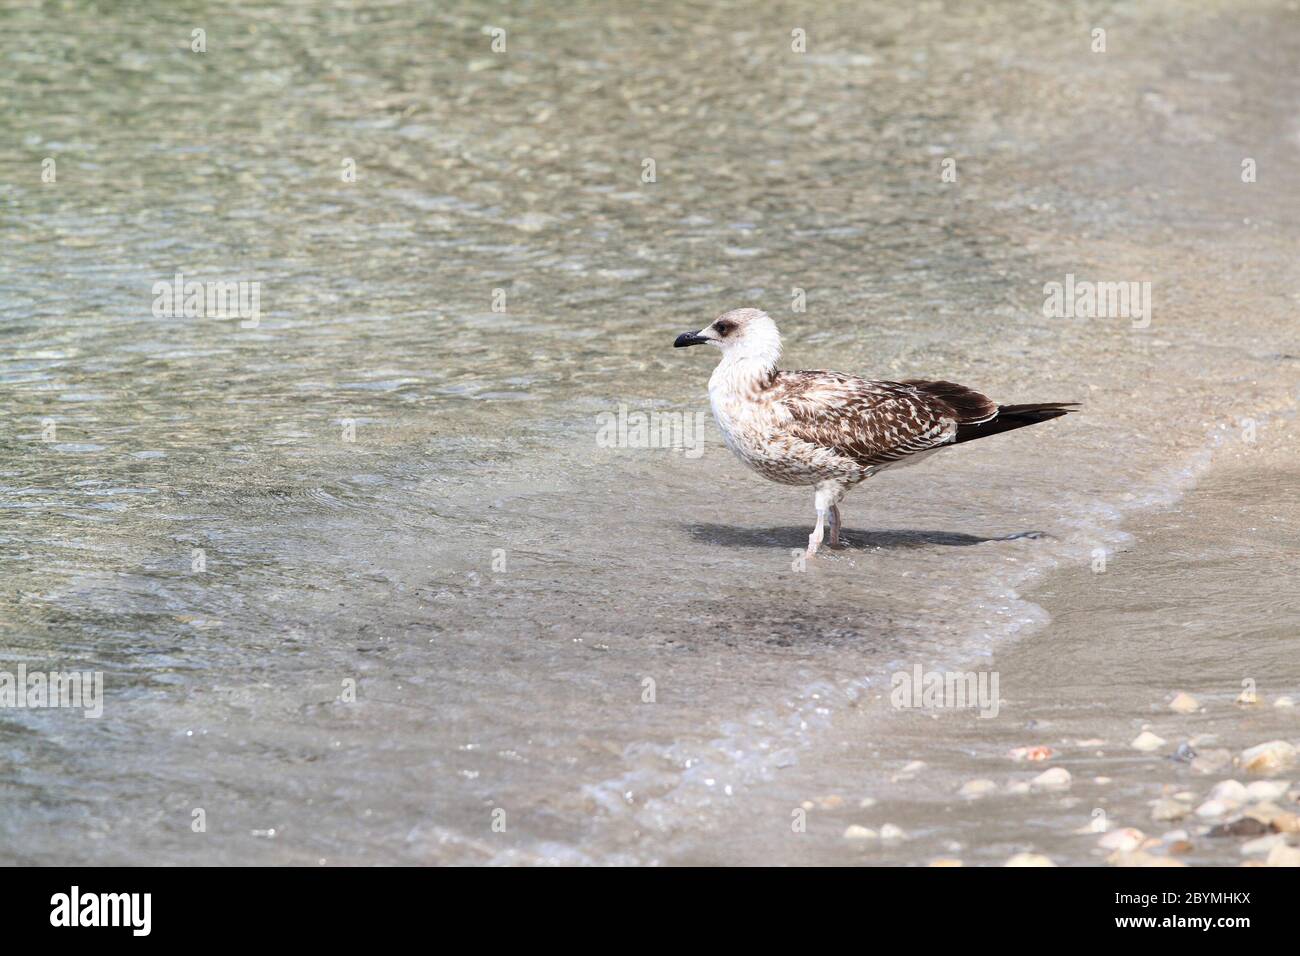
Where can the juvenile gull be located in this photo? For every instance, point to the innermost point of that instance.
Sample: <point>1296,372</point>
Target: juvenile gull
<point>830,430</point>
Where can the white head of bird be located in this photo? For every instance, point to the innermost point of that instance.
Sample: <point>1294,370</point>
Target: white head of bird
<point>745,336</point>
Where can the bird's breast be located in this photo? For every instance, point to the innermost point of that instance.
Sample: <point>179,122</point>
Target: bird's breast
<point>750,430</point>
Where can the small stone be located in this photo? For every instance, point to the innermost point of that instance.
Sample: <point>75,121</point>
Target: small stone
<point>1242,826</point>
<point>1229,790</point>
<point>1125,840</point>
<point>891,832</point>
<point>1147,742</point>
<point>974,789</point>
<point>867,803</point>
<point>1284,702</point>
<point>832,802</point>
<point>915,766</point>
<point>1212,809</point>
<point>1269,757</point>
<point>1184,753</point>
<point>1173,836</point>
<point>1286,822</point>
<point>1265,812</point>
<point>1184,704</point>
<point>1018,787</point>
<point>1181,846</point>
<point>1169,810</point>
<point>945,861</point>
<point>1282,855</point>
<point>1091,742</point>
<point>1058,778</point>
<point>1266,789</point>
<point>1262,845</point>
<point>1102,781</point>
<point>1031,754</point>
<point>1030,859</point>
<point>855,832</point>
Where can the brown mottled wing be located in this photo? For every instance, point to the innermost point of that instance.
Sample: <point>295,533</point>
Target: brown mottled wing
<point>968,405</point>
<point>876,423</point>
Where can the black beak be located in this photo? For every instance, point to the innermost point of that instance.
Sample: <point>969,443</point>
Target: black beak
<point>688,338</point>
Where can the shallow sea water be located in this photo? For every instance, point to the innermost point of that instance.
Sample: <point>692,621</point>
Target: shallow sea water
<point>396,487</point>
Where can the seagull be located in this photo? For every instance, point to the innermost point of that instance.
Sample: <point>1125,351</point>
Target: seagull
<point>832,431</point>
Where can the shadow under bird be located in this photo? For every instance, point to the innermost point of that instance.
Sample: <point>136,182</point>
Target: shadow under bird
<point>832,431</point>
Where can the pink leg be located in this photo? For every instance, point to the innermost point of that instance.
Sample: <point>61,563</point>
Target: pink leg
<point>835,527</point>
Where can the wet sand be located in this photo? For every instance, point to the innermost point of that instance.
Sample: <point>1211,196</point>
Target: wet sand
<point>1196,600</point>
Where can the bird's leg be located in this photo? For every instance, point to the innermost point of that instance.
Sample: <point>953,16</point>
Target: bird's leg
<point>835,527</point>
<point>815,539</point>
<point>827,498</point>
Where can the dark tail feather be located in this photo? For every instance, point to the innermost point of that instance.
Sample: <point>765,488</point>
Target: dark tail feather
<point>1014,416</point>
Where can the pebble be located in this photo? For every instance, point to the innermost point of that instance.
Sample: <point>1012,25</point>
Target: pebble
<point>1282,855</point>
<point>973,789</point>
<point>1147,741</point>
<point>1262,845</point>
<point>1266,789</point>
<point>1232,790</point>
<point>1212,809</point>
<point>1184,753</point>
<point>1286,822</point>
<point>1169,810</point>
<point>1269,757</point>
<point>946,861</point>
<point>1284,702</point>
<point>1031,754</point>
<point>1101,780</point>
<point>1184,704</point>
<point>1175,836</point>
<point>1265,812</point>
<point>855,832</point>
<point>1125,840</point>
<point>1036,859</point>
<point>867,803</point>
<point>1058,778</point>
<point>1017,786</point>
<point>891,832</point>
<point>1242,826</point>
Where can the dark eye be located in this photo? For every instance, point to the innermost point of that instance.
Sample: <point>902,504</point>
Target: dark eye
<point>724,328</point>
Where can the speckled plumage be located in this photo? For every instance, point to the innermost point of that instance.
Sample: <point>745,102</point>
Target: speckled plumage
<point>831,430</point>
<point>803,428</point>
